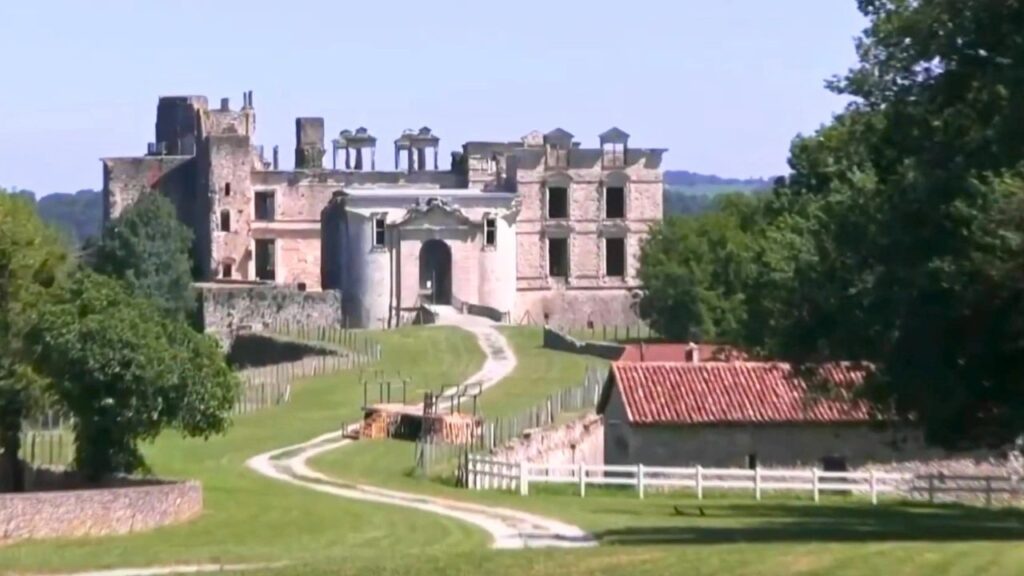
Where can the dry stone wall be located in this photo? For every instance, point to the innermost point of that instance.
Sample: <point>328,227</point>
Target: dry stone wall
<point>99,512</point>
<point>578,442</point>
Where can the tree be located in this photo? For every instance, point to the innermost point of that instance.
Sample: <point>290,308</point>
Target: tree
<point>916,237</point>
<point>126,371</point>
<point>695,269</point>
<point>31,260</point>
<point>147,248</point>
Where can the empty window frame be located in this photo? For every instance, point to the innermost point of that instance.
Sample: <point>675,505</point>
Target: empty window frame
<point>615,257</point>
<point>615,202</point>
<point>490,231</point>
<point>379,235</point>
<point>264,207</point>
<point>227,189</point>
<point>225,220</point>
<point>225,271</point>
<point>558,202</point>
<point>265,265</point>
<point>558,257</point>
<point>557,157</point>
<point>614,155</point>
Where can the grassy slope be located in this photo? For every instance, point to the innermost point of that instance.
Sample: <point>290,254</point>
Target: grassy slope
<point>738,536</point>
<point>249,517</point>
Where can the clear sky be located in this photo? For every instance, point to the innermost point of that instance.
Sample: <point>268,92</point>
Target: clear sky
<point>723,84</point>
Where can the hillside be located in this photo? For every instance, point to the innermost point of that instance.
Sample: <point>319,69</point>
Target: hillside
<point>78,216</point>
<point>692,193</point>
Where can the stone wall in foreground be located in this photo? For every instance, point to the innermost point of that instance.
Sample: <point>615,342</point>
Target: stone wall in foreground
<point>98,512</point>
<point>578,442</point>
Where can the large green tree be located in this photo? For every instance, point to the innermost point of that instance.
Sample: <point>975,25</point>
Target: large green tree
<point>126,372</point>
<point>918,240</point>
<point>147,248</point>
<point>31,260</point>
<point>695,270</point>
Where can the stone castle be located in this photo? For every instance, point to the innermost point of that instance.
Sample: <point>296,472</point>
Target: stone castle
<point>539,229</point>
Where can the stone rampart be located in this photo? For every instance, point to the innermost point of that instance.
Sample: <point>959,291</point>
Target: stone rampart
<point>231,309</point>
<point>97,512</point>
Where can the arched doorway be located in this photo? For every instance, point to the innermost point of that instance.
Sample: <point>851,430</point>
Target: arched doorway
<point>436,272</point>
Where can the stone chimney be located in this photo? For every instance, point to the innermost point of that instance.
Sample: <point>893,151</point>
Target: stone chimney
<point>692,355</point>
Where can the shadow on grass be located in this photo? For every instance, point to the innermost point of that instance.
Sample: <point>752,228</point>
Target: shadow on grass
<point>823,523</point>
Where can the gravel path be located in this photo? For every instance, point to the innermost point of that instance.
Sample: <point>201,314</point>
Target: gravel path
<point>508,528</point>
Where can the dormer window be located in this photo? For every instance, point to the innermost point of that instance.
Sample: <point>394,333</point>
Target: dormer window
<point>613,148</point>
<point>557,144</point>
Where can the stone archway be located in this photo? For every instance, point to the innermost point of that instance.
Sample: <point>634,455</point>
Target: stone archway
<point>436,272</point>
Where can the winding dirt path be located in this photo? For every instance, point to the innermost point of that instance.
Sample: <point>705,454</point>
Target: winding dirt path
<point>508,528</point>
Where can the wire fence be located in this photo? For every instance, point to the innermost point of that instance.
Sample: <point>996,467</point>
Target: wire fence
<point>638,332</point>
<point>435,457</point>
<point>54,447</point>
<point>355,341</point>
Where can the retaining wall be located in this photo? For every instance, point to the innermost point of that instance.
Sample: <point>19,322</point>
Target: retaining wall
<point>578,442</point>
<point>555,340</point>
<point>97,512</point>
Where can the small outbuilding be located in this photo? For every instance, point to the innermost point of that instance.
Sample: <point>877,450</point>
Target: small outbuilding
<point>746,414</point>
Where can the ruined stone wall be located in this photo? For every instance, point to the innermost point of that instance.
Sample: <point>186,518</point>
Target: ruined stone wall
<point>555,340</point>
<point>578,442</point>
<point>98,512</point>
<point>229,188</point>
<point>565,307</point>
<point>124,179</point>
<point>227,310</point>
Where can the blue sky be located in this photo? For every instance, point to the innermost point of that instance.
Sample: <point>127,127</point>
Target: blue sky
<point>724,84</point>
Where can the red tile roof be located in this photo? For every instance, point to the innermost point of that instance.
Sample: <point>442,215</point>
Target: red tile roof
<point>732,393</point>
<point>675,352</point>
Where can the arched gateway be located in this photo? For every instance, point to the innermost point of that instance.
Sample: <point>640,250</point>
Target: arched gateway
<point>436,272</point>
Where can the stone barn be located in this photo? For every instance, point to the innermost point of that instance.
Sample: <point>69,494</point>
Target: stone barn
<point>745,414</point>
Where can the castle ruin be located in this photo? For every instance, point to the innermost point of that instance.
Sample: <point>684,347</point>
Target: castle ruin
<point>539,229</point>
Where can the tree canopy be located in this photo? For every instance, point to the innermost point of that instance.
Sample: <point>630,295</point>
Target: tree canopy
<point>896,239</point>
<point>126,371</point>
<point>147,248</point>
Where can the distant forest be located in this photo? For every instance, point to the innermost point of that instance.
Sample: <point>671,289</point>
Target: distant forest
<point>692,193</point>
<point>80,215</point>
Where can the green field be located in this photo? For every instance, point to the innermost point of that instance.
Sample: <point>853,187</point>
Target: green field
<point>249,518</point>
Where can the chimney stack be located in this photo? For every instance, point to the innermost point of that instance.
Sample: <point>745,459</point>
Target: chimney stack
<point>276,156</point>
<point>693,353</point>
<point>225,104</point>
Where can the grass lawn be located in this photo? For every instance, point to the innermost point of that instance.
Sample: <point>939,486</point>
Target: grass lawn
<point>252,519</point>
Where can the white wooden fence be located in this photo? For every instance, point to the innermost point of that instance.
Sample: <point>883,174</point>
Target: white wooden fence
<point>483,473</point>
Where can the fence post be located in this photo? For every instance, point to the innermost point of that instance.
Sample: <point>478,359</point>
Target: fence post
<point>814,483</point>
<point>700,483</point>
<point>757,483</point>
<point>524,478</point>
<point>581,472</point>
<point>931,489</point>
<point>640,480</point>
<point>873,480</point>
<point>988,491</point>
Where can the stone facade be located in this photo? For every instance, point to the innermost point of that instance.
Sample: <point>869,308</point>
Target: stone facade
<point>773,445</point>
<point>98,512</point>
<point>566,252</point>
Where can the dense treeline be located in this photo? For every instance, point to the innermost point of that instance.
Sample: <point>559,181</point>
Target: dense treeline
<point>897,237</point>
